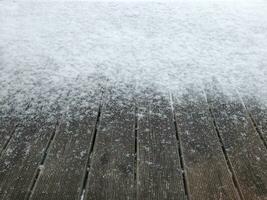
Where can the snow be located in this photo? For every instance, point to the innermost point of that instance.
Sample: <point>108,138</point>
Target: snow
<point>50,48</point>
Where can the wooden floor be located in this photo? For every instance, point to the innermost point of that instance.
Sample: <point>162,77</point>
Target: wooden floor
<point>205,145</point>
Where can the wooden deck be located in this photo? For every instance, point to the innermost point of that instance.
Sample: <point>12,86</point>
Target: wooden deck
<point>206,145</point>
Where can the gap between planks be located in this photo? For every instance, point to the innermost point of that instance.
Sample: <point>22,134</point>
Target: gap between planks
<point>8,141</point>
<point>43,159</point>
<point>41,164</point>
<point>136,153</point>
<point>91,150</point>
<point>180,152</point>
<point>253,121</point>
<point>257,129</point>
<point>28,105</point>
<point>228,162</point>
<point>230,167</point>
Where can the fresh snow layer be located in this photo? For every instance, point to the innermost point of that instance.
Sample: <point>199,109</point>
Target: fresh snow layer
<point>50,48</point>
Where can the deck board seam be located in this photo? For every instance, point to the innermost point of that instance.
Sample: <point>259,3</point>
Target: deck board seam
<point>228,162</point>
<point>252,120</point>
<point>136,152</point>
<point>42,162</point>
<point>27,107</point>
<point>257,129</point>
<point>180,152</point>
<point>90,152</point>
<point>8,141</point>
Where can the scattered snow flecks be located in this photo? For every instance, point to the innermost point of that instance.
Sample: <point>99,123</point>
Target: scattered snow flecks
<point>48,49</point>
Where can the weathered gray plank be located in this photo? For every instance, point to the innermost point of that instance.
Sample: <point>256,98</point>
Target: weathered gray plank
<point>64,169</point>
<point>21,158</point>
<point>159,174</point>
<point>244,147</point>
<point>206,169</point>
<point>112,168</point>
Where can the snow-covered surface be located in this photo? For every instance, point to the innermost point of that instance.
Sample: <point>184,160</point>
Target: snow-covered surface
<point>48,48</point>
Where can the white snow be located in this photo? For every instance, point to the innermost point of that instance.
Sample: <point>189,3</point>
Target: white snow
<point>50,47</point>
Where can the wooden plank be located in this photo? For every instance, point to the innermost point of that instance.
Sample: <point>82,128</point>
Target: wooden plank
<point>206,168</point>
<point>159,174</point>
<point>258,112</point>
<point>112,169</point>
<point>244,147</point>
<point>65,167</point>
<point>21,158</point>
